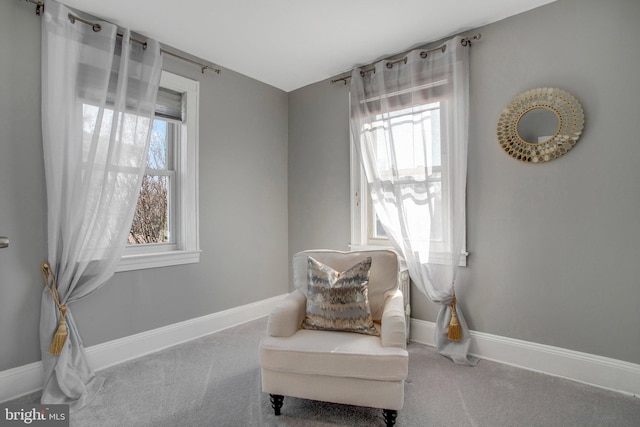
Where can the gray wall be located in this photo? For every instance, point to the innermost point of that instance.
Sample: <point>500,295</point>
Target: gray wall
<point>319,168</point>
<point>554,247</point>
<point>22,191</point>
<point>243,206</point>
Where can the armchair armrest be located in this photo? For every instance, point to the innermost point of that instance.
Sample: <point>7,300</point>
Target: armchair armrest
<point>393,327</point>
<point>288,315</point>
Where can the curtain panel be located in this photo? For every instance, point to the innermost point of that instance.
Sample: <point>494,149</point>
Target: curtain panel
<point>98,97</point>
<point>409,121</point>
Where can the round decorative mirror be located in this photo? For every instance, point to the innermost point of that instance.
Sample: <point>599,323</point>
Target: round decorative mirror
<point>540,125</point>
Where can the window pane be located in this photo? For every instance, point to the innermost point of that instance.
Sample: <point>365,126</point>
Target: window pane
<point>157,158</point>
<point>151,219</point>
<point>410,139</point>
<point>379,232</point>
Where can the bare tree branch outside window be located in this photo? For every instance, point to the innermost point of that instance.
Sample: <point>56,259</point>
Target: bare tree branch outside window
<point>151,219</point>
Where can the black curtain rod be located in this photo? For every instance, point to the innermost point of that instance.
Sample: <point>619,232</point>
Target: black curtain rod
<point>97,27</point>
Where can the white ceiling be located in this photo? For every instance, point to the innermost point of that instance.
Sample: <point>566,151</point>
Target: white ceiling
<point>292,43</point>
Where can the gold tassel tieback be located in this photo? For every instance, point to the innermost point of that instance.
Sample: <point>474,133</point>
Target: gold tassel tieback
<point>60,337</point>
<point>455,331</point>
<point>61,334</point>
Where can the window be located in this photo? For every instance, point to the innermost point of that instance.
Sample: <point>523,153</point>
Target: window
<point>415,168</point>
<point>164,230</point>
<point>153,220</point>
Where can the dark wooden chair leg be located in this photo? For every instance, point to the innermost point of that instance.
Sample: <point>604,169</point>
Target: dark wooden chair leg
<point>390,416</point>
<point>276,402</point>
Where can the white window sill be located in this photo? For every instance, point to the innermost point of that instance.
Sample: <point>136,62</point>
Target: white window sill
<point>437,258</point>
<point>158,259</point>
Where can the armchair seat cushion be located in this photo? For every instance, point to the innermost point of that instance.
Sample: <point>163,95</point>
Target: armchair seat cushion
<point>335,354</point>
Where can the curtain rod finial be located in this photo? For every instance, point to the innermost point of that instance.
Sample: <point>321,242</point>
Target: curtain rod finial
<point>39,6</point>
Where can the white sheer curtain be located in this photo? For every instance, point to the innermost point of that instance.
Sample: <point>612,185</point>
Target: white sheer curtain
<point>98,97</point>
<point>409,125</point>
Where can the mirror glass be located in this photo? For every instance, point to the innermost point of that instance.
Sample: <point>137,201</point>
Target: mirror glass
<point>538,125</point>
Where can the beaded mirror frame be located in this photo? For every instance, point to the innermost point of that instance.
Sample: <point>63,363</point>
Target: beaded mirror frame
<point>570,119</point>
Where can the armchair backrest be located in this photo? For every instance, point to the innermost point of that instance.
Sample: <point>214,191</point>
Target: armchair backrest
<point>383,276</point>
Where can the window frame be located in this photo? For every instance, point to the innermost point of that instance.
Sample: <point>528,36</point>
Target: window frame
<point>185,249</point>
<point>362,215</point>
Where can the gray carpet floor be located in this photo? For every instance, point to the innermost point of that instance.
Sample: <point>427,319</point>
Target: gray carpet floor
<point>215,381</point>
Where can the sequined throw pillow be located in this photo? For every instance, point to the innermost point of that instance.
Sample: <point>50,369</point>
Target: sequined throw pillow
<point>338,301</point>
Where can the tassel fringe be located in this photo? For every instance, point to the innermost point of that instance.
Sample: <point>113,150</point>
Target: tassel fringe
<point>60,337</point>
<point>455,331</point>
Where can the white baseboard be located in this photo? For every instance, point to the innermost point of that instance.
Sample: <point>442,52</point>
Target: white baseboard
<point>599,371</point>
<point>27,379</point>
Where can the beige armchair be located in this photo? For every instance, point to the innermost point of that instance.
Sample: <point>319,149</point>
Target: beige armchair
<point>335,366</point>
